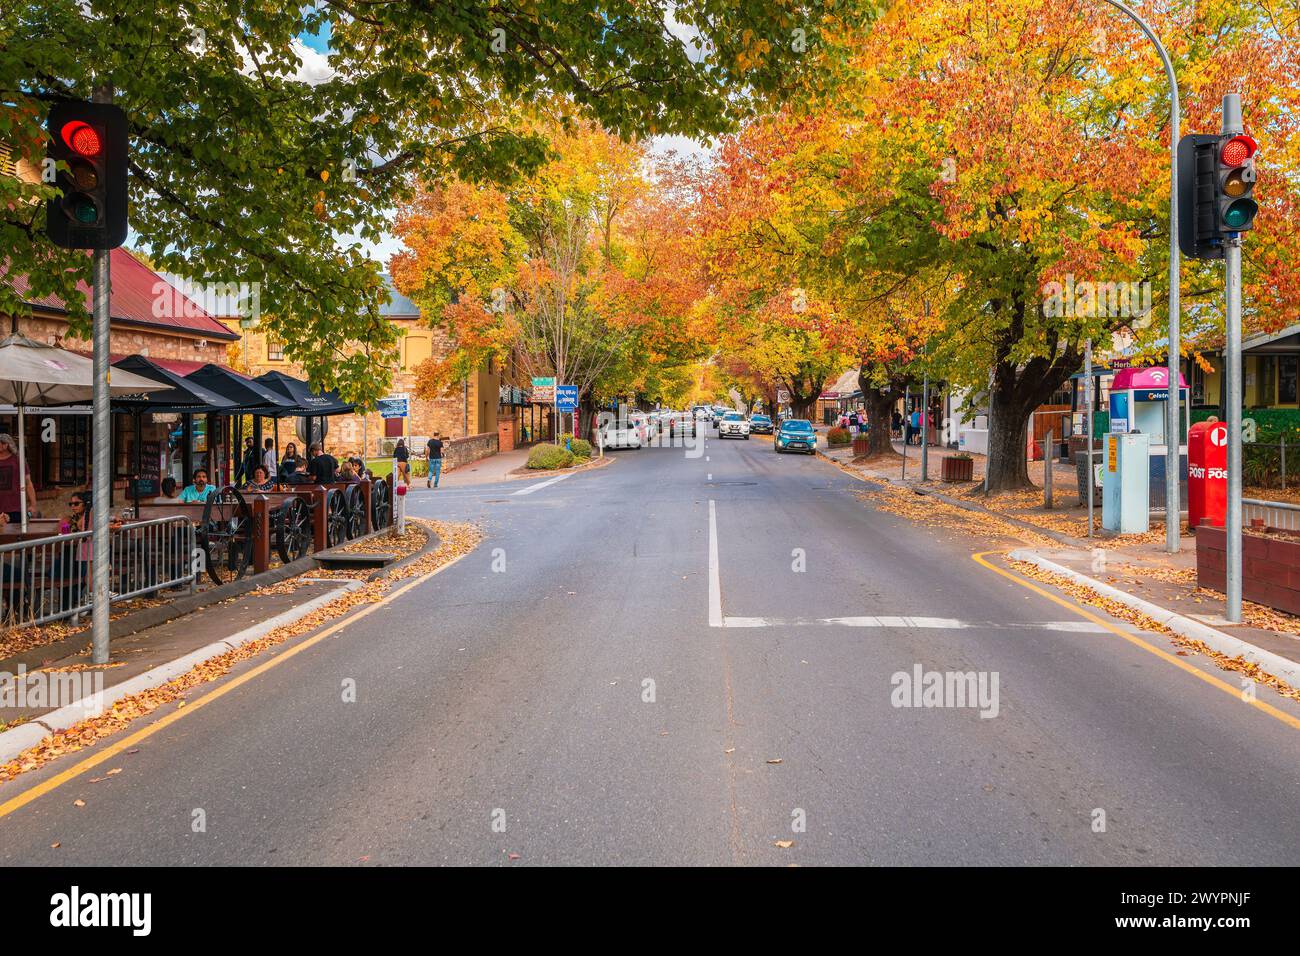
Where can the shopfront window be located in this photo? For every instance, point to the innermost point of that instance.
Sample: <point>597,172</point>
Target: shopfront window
<point>1288,366</point>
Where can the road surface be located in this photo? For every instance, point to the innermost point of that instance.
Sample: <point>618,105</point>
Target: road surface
<point>677,660</point>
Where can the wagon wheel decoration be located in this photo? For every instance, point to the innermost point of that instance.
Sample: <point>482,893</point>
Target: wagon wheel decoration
<point>356,511</point>
<point>226,535</point>
<point>336,518</point>
<point>381,505</point>
<point>292,530</point>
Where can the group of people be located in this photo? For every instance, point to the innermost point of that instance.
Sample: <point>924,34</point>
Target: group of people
<point>906,427</point>
<point>855,420</point>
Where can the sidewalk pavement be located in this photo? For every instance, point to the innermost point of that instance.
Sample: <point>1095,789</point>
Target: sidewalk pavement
<point>484,471</point>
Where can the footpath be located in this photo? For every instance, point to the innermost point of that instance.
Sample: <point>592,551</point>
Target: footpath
<point>48,686</point>
<point>1129,575</point>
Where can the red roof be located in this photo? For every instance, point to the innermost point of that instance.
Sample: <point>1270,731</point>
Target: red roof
<point>136,290</point>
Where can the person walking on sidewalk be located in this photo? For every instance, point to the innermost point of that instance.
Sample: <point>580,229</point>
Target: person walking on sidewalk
<point>434,448</point>
<point>402,462</point>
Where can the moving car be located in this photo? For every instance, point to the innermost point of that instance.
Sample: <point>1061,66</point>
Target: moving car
<point>719,413</point>
<point>796,435</point>
<point>680,423</point>
<point>733,425</point>
<point>760,424</point>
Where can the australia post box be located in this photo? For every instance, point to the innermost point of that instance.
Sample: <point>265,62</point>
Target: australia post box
<point>1207,474</point>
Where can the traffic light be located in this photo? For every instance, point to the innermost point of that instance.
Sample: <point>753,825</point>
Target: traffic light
<point>1235,182</point>
<point>90,138</point>
<point>1198,231</point>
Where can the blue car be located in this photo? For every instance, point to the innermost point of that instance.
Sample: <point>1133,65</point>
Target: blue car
<point>796,435</point>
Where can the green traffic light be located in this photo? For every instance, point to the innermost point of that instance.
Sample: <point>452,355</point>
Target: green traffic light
<point>1240,213</point>
<point>84,210</point>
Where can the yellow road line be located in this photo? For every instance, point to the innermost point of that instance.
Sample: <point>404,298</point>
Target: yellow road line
<point>1135,640</point>
<point>77,769</point>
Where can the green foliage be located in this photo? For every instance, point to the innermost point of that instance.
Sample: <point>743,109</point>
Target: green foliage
<point>580,447</point>
<point>550,457</point>
<point>255,161</point>
<point>838,436</point>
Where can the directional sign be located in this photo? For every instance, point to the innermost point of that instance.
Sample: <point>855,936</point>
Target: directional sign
<point>566,398</point>
<point>395,406</point>
<point>544,390</point>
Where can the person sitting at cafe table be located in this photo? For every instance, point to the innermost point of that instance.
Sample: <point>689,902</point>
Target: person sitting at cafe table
<point>10,490</point>
<point>301,476</point>
<point>348,474</point>
<point>199,490</point>
<point>259,481</point>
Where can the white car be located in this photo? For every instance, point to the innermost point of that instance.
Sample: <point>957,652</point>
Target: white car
<point>733,425</point>
<point>621,435</point>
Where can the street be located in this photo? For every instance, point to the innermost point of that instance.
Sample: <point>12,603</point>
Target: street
<point>692,660</point>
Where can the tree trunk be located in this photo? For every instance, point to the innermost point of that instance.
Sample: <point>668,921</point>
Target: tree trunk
<point>880,404</point>
<point>1008,460</point>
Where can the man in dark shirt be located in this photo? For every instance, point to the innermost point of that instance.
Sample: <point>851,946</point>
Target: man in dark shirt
<point>434,449</point>
<point>322,466</point>
<point>299,476</point>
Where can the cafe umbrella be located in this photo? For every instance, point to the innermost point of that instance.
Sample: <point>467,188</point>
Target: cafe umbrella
<point>32,374</point>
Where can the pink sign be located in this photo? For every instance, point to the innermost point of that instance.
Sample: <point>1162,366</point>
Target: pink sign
<point>1155,377</point>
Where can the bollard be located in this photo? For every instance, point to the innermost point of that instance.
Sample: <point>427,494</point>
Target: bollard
<point>399,507</point>
<point>1047,471</point>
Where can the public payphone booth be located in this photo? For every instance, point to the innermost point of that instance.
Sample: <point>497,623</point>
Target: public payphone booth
<point>1137,404</point>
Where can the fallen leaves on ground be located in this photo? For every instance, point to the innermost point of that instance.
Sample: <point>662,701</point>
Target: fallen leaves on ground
<point>454,540</point>
<point>1086,595</point>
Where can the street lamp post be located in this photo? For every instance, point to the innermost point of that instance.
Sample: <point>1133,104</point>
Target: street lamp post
<point>1173,431</point>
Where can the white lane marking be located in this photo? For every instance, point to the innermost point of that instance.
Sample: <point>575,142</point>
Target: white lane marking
<point>914,623</point>
<point>710,476</point>
<point>715,579</point>
<point>542,484</point>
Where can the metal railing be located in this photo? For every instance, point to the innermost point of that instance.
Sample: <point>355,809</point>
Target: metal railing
<point>1275,514</point>
<point>48,579</point>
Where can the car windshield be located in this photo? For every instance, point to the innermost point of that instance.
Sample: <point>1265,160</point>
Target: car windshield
<point>797,425</point>
<point>759,418</point>
<point>733,417</point>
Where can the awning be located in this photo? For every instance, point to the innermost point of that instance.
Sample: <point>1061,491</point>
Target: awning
<point>244,393</point>
<point>183,396</point>
<point>300,394</point>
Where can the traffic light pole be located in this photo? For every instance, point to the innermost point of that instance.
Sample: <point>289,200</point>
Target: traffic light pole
<point>1232,125</point>
<point>102,438</point>
<point>1173,431</point>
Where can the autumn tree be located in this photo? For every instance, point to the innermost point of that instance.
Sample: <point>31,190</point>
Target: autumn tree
<point>255,160</point>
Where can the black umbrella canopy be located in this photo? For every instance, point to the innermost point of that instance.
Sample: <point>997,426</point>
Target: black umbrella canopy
<point>299,392</point>
<point>244,393</point>
<point>183,396</point>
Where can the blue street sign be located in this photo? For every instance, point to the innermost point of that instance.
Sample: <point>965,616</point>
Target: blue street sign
<point>566,398</point>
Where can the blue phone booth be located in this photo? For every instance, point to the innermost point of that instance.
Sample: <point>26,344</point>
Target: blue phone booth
<point>1137,404</point>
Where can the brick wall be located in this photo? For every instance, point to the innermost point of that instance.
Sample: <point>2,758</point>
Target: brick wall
<point>1270,567</point>
<point>123,341</point>
<point>462,451</point>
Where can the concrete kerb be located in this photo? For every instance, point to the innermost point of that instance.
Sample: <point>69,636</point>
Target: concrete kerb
<point>1275,664</point>
<point>20,738</point>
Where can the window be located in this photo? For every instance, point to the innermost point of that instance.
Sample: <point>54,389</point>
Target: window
<point>1287,368</point>
<point>418,348</point>
<point>1267,380</point>
<point>274,350</point>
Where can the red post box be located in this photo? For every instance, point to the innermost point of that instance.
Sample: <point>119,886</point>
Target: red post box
<point>1207,474</point>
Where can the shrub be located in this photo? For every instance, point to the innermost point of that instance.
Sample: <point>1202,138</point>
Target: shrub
<point>581,448</point>
<point>838,436</point>
<point>550,457</point>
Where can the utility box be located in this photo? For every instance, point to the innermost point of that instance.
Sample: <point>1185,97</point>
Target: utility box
<point>1126,483</point>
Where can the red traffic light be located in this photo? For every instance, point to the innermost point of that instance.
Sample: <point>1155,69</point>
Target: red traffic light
<point>81,138</point>
<point>1237,150</point>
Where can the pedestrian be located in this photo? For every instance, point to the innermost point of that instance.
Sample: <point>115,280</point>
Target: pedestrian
<point>289,463</point>
<point>10,489</point>
<point>268,458</point>
<point>402,461</point>
<point>198,490</point>
<point>853,423</point>
<point>434,451</point>
<point>247,461</point>
<point>320,465</point>
<point>915,422</point>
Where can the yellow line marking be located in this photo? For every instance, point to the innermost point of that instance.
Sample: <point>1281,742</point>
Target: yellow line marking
<point>1134,639</point>
<point>77,769</point>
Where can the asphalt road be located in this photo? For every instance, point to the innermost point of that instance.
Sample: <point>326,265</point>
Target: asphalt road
<point>503,713</point>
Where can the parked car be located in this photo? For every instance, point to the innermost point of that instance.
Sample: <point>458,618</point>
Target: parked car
<point>760,424</point>
<point>681,423</point>
<point>621,435</point>
<point>719,413</point>
<point>796,434</point>
<point>733,425</point>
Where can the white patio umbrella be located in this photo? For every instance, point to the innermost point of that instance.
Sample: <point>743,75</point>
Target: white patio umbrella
<point>32,374</point>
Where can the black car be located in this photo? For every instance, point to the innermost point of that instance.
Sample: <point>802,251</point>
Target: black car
<point>760,424</point>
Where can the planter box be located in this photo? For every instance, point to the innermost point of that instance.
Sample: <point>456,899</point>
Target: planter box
<point>958,469</point>
<point>859,447</point>
<point>1270,566</point>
